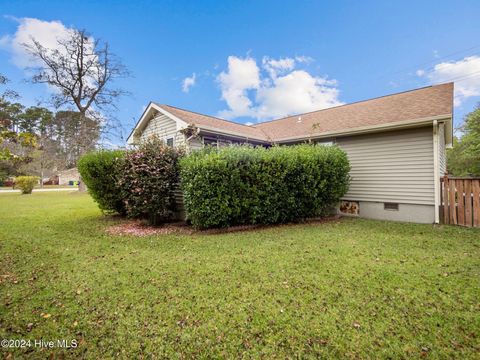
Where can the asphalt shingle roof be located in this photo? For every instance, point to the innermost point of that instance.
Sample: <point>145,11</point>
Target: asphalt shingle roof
<point>411,105</point>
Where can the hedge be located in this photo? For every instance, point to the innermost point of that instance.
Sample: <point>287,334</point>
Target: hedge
<point>100,170</point>
<point>245,185</point>
<point>150,176</point>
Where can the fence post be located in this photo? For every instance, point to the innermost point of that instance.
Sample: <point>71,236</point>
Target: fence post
<point>461,202</point>
<point>445,200</point>
<point>468,202</point>
<point>476,202</point>
<point>452,201</point>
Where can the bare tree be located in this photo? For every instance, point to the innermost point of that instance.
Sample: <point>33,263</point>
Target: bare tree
<point>82,70</point>
<point>7,94</point>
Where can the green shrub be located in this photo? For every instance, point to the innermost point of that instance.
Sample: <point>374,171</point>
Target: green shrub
<point>26,183</point>
<point>245,185</point>
<point>100,171</point>
<point>150,176</point>
<point>3,176</point>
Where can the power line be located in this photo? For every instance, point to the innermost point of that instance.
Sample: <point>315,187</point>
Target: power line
<point>431,61</point>
<point>462,77</point>
<point>468,77</point>
<point>433,67</point>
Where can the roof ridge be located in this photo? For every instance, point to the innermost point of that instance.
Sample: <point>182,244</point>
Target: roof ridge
<point>210,116</point>
<point>352,103</point>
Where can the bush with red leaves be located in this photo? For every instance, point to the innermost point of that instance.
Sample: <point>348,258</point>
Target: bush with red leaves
<point>149,178</point>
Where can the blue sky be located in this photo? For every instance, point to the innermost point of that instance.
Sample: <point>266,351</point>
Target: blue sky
<point>254,60</point>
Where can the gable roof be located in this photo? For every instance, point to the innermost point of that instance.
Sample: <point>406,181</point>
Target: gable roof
<point>409,108</point>
<point>215,124</point>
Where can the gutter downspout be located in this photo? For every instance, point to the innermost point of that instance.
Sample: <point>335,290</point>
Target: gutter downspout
<point>436,171</point>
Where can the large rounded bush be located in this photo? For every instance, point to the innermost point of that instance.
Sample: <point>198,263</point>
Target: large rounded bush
<point>100,170</point>
<point>26,183</point>
<point>246,185</point>
<point>150,177</point>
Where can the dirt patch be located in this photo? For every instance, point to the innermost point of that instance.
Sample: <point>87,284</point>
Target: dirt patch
<point>241,228</point>
<point>140,228</point>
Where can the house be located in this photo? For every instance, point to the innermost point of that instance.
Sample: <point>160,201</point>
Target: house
<point>396,145</point>
<point>52,180</point>
<point>69,177</point>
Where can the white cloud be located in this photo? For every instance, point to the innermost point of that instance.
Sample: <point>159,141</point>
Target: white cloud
<point>465,73</point>
<point>242,75</point>
<point>276,67</point>
<point>46,32</point>
<point>275,90</point>
<point>304,59</point>
<point>296,92</point>
<point>188,82</point>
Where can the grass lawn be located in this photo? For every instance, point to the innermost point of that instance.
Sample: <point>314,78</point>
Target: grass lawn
<point>351,288</point>
<point>44,187</point>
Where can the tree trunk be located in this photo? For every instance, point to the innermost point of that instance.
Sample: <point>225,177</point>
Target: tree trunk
<point>81,185</point>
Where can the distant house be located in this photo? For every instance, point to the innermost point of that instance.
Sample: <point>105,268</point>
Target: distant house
<point>69,177</point>
<point>396,145</point>
<point>52,180</point>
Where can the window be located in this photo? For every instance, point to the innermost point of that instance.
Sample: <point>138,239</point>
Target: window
<point>222,142</point>
<point>211,141</point>
<point>170,141</point>
<point>325,143</point>
<point>390,206</point>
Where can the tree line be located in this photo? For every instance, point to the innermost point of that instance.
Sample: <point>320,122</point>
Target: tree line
<point>37,141</point>
<point>464,158</point>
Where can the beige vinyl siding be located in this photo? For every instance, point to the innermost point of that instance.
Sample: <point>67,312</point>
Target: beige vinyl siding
<point>195,143</point>
<point>442,152</point>
<point>391,167</point>
<point>163,127</point>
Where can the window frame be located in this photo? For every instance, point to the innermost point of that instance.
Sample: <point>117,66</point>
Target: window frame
<point>167,138</point>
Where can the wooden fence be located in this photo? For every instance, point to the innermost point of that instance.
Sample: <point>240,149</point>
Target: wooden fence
<point>460,201</point>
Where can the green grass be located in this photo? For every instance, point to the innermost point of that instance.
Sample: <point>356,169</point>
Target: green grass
<point>348,289</point>
<point>44,187</point>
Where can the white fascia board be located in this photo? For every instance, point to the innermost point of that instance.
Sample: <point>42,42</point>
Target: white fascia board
<point>230,133</point>
<point>180,123</point>
<point>369,129</point>
<point>141,122</point>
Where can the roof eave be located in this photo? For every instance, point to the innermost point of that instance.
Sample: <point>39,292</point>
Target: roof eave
<point>143,118</point>
<point>231,133</point>
<point>370,129</point>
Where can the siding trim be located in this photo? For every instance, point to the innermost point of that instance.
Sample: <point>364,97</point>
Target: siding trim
<point>407,124</point>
